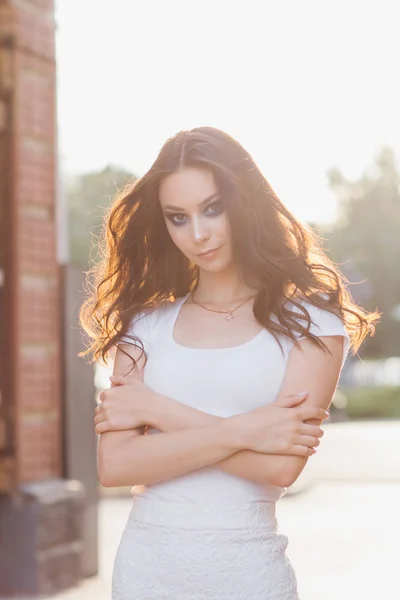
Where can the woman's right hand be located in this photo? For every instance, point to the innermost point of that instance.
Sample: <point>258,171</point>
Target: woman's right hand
<point>280,427</point>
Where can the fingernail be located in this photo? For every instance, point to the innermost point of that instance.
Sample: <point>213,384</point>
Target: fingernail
<point>302,394</point>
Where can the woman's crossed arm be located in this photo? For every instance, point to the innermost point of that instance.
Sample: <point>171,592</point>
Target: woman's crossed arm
<point>267,445</point>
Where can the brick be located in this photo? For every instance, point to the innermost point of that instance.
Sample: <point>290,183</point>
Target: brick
<point>39,386</point>
<point>36,106</point>
<point>37,239</point>
<point>38,442</point>
<point>3,434</point>
<point>36,172</point>
<point>40,545</point>
<point>43,554</point>
<point>36,306</point>
<point>35,27</point>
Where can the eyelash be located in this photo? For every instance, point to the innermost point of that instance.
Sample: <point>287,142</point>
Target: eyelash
<point>219,210</point>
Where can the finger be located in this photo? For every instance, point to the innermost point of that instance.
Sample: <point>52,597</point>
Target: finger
<point>106,424</point>
<point>99,418</point>
<point>303,451</point>
<point>102,427</point>
<point>117,380</point>
<point>122,379</point>
<point>292,400</point>
<point>110,425</point>
<point>102,396</point>
<point>313,430</point>
<point>309,441</point>
<point>313,412</point>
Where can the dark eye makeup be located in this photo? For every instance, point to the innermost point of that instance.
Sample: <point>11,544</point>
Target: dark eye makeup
<point>217,207</point>
<point>214,209</point>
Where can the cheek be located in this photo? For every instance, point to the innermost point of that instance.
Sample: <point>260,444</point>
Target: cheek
<point>224,227</point>
<point>177,235</point>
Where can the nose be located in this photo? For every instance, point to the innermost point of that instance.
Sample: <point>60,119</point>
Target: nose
<point>199,231</point>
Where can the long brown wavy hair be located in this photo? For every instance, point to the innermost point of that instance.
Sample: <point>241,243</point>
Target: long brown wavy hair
<point>141,267</point>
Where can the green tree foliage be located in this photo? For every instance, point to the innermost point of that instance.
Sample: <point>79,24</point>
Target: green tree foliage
<point>88,197</point>
<point>365,241</point>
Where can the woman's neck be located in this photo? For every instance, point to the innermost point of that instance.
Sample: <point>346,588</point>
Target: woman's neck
<point>222,288</point>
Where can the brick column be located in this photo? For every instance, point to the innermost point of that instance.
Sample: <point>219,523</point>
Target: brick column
<point>39,550</point>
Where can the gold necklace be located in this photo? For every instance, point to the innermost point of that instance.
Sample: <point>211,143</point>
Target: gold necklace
<point>228,313</point>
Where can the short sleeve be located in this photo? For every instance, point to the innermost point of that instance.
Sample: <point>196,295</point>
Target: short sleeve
<point>325,323</point>
<point>139,327</point>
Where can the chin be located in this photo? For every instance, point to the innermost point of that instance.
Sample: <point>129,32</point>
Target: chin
<point>215,267</point>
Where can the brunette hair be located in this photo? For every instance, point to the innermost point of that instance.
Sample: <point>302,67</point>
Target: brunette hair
<point>141,268</point>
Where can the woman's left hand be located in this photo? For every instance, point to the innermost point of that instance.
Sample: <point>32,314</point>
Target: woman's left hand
<point>124,406</point>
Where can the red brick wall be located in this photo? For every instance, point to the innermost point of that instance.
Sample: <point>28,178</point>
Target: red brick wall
<point>35,275</point>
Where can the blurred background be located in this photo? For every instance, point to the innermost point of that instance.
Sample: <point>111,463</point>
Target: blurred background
<point>89,91</point>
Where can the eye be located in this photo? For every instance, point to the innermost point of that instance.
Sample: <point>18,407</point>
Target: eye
<point>177,218</point>
<point>214,209</point>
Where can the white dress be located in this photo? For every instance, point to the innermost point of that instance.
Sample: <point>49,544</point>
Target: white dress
<point>208,534</point>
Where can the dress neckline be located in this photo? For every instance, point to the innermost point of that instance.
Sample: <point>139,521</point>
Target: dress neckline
<point>177,309</point>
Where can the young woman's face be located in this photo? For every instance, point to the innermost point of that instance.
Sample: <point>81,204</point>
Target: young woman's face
<point>196,218</point>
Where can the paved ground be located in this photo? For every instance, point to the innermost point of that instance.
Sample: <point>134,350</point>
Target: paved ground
<point>342,519</point>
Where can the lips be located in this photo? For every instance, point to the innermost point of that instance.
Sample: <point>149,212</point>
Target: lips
<point>206,252</point>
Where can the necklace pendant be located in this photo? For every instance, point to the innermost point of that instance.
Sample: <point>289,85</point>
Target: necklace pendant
<point>229,317</point>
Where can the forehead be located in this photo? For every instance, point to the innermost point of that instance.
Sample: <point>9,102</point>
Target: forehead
<point>187,187</point>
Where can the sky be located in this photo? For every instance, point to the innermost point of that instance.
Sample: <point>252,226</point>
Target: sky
<point>303,86</point>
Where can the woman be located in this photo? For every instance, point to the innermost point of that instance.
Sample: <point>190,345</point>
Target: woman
<point>232,327</point>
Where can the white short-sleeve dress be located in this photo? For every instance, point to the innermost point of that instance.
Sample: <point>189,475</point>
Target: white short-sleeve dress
<point>209,534</point>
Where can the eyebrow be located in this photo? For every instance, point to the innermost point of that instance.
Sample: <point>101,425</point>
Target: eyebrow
<point>202,203</point>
